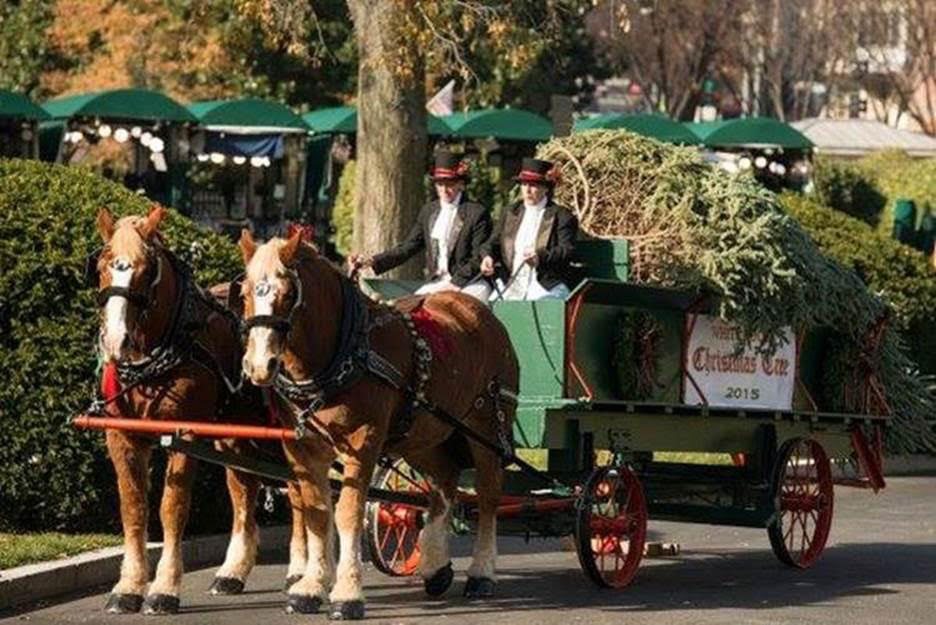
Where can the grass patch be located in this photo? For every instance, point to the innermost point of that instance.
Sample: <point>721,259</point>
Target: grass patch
<point>538,457</point>
<point>20,549</point>
<point>691,457</point>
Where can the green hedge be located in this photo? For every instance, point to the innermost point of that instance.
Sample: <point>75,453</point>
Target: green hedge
<point>52,476</point>
<point>870,186</point>
<point>896,271</point>
<point>900,274</point>
<point>846,188</point>
<point>343,210</point>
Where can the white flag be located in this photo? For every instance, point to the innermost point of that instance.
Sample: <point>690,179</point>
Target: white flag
<point>442,102</point>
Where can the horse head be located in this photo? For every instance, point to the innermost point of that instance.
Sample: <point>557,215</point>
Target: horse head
<point>272,296</point>
<point>128,270</point>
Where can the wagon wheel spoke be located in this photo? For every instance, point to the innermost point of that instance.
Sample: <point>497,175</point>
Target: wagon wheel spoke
<point>802,481</point>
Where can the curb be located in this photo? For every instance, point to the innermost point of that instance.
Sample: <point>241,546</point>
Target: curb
<point>34,582</point>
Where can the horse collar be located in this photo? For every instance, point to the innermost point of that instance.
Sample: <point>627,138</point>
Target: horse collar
<point>347,364</point>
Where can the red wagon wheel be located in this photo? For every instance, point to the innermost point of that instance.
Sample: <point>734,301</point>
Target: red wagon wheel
<point>611,526</point>
<point>802,487</point>
<point>392,532</point>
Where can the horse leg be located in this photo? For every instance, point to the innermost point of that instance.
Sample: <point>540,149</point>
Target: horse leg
<point>435,565</point>
<point>241,553</point>
<point>310,463</point>
<point>163,596</point>
<point>347,597</point>
<point>298,542</point>
<point>482,578</point>
<point>130,458</point>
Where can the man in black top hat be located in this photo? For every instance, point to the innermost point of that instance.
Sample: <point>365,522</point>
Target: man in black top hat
<point>533,242</point>
<point>451,229</point>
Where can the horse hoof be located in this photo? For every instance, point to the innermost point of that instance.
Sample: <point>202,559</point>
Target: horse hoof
<point>347,611</point>
<point>479,588</point>
<point>121,603</point>
<point>161,604</point>
<point>292,579</point>
<point>440,581</point>
<point>226,586</point>
<point>302,604</point>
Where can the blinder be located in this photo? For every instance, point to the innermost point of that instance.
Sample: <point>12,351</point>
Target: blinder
<point>93,280</point>
<point>235,302</point>
<point>276,323</point>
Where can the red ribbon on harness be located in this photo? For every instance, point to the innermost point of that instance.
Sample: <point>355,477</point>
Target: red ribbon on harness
<point>430,329</point>
<point>306,232</point>
<point>110,384</point>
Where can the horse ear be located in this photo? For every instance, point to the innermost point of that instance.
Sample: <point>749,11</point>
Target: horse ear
<point>247,245</point>
<point>288,251</point>
<point>151,224</point>
<point>105,223</point>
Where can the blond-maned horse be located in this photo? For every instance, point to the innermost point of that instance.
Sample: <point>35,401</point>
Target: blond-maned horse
<point>147,302</point>
<point>358,376</point>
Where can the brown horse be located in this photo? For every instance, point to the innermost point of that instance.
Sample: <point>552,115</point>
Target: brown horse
<point>159,328</point>
<point>360,378</point>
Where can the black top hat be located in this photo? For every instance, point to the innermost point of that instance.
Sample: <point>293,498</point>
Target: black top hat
<point>449,167</point>
<point>535,171</point>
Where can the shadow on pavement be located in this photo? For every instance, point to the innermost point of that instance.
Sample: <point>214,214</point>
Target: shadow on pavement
<point>698,580</point>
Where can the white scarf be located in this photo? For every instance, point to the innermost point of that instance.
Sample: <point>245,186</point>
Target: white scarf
<point>441,230</point>
<point>526,238</point>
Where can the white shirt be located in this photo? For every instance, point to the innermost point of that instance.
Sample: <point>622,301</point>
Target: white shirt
<point>526,238</point>
<point>441,230</point>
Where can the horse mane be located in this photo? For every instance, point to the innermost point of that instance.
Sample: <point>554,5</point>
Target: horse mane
<point>266,260</point>
<point>127,241</point>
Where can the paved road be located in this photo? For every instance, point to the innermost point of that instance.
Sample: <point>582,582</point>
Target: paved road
<point>880,567</point>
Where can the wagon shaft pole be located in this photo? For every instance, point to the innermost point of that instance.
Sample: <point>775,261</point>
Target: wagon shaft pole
<point>195,428</point>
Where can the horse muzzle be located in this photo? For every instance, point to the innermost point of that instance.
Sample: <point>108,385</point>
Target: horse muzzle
<point>262,373</point>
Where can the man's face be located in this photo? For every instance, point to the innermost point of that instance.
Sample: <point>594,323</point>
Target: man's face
<point>533,193</point>
<point>448,190</point>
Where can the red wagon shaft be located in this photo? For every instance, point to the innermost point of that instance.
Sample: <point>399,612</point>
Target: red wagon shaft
<point>196,428</point>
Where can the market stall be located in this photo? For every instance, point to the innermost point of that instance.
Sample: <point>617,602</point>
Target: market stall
<point>135,136</point>
<point>248,162</point>
<point>19,125</point>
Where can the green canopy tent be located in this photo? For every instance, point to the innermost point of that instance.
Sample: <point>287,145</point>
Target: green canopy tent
<point>120,105</point>
<point>343,120</point>
<point>19,120</point>
<point>774,150</point>
<point>500,124</point>
<point>150,121</point>
<point>247,116</point>
<point>261,144</point>
<point>648,125</point>
<point>749,132</point>
<point>502,137</point>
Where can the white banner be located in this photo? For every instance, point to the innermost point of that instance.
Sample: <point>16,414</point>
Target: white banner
<point>736,380</point>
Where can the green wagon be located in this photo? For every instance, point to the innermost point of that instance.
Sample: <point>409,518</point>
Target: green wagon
<point>616,382</point>
<point>620,380</point>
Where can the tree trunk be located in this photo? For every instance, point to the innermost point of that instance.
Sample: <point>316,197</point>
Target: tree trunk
<point>391,129</point>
